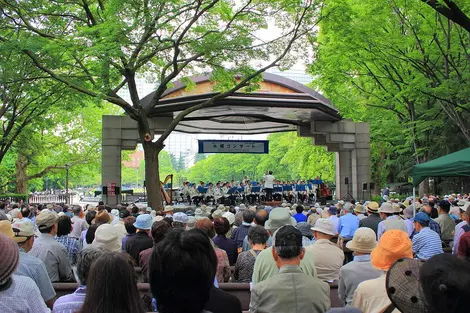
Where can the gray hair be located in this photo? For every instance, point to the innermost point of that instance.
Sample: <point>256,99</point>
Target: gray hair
<point>85,259</point>
<point>348,206</point>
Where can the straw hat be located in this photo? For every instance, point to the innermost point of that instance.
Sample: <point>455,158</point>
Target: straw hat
<point>359,208</point>
<point>393,245</point>
<point>6,230</point>
<point>102,217</point>
<point>168,209</point>
<point>372,207</point>
<point>323,225</point>
<point>363,240</point>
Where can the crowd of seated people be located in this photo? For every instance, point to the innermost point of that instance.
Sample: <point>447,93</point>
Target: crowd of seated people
<point>368,250</point>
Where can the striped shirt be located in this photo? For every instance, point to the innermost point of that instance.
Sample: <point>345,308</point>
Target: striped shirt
<point>426,244</point>
<point>72,245</point>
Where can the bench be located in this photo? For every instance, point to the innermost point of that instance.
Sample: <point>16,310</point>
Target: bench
<point>239,290</point>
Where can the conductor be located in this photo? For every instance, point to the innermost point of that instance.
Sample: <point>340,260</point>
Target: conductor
<point>269,185</point>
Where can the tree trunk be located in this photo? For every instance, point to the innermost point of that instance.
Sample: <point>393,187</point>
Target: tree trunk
<point>152,170</point>
<point>21,180</point>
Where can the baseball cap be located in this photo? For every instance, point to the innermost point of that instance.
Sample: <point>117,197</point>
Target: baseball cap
<point>422,217</point>
<point>23,228</point>
<point>46,219</point>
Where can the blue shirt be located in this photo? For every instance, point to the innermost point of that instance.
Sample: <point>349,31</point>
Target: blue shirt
<point>347,225</point>
<point>426,244</point>
<point>300,217</point>
<point>35,269</point>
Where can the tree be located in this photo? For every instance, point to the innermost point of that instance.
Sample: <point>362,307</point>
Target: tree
<point>397,67</point>
<point>97,47</point>
<point>453,10</point>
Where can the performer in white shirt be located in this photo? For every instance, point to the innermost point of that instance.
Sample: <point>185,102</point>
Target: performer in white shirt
<point>269,185</point>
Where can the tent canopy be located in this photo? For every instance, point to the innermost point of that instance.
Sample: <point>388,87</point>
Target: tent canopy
<point>452,165</point>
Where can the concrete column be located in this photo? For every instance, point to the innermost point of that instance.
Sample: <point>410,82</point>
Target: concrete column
<point>111,170</point>
<point>343,170</point>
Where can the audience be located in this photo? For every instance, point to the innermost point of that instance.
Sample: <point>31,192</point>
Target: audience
<point>300,216</point>
<point>73,302</point>
<point>426,243</point>
<point>240,232</point>
<point>29,265</point>
<point>290,290</point>
<point>462,227</point>
<point>371,295</point>
<point>141,240</point>
<point>445,221</point>
<point>261,216</point>
<point>64,228</point>
<point>348,223</point>
<point>52,253</point>
<point>222,226</point>
<point>373,219</point>
<point>130,229</point>
<point>17,293</point>
<point>328,257</point>
<point>265,266</point>
<point>111,286</point>
<point>89,218</point>
<point>121,228</point>
<point>182,268</point>
<point>439,285</point>
<point>223,266</point>
<point>257,236</point>
<point>159,229</point>
<point>79,222</point>
<point>180,219</point>
<point>307,234</point>
<point>390,220</point>
<point>333,218</point>
<point>360,269</point>
<point>464,240</point>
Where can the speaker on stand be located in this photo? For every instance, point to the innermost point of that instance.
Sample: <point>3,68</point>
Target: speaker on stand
<point>347,196</point>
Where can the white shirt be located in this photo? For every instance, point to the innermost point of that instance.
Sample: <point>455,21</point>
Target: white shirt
<point>268,181</point>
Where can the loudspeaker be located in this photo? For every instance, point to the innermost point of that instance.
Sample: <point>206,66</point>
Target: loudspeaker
<point>346,180</point>
<point>144,183</point>
<point>371,186</point>
<point>364,186</point>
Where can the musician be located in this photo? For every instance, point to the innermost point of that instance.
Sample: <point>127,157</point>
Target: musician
<point>248,194</point>
<point>194,195</point>
<point>185,193</point>
<point>245,180</point>
<point>224,191</point>
<point>209,194</point>
<point>217,192</point>
<point>269,185</point>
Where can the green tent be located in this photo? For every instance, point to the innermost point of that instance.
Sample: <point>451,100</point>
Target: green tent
<point>454,165</point>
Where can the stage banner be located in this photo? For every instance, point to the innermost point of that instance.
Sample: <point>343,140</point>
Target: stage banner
<point>234,146</point>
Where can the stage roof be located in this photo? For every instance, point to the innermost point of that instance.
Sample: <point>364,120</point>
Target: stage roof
<point>281,105</point>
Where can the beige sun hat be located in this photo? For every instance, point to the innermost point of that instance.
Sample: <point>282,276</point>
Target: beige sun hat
<point>364,240</point>
<point>323,225</point>
<point>386,208</point>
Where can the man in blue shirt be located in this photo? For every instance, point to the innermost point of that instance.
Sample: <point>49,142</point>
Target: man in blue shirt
<point>426,243</point>
<point>348,223</point>
<point>300,216</point>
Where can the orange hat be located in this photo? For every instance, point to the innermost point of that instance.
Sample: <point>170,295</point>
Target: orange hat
<point>393,245</point>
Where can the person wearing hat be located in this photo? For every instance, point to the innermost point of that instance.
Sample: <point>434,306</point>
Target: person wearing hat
<point>199,214</point>
<point>389,220</point>
<point>180,219</point>
<point>265,265</point>
<point>426,243</point>
<point>359,211</point>
<point>290,290</point>
<point>432,223</point>
<point>464,240</point>
<point>328,257</point>
<point>22,232</point>
<point>107,237</point>
<point>371,295</point>
<point>231,220</point>
<point>102,217</point>
<point>373,219</point>
<point>49,251</point>
<point>168,210</point>
<point>17,293</point>
<point>333,218</point>
<point>120,228</point>
<point>360,269</point>
<point>307,234</point>
<point>439,285</point>
<point>314,215</point>
<point>191,222</point>
<point>141,240</point>
<point>444,220</point>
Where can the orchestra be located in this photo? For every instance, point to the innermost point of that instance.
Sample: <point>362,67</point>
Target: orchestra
<point>251,192</point>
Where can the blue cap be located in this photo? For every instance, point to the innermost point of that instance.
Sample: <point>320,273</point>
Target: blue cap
<point>422,217</point>
<point>143,221</point>
<point>333,210</point>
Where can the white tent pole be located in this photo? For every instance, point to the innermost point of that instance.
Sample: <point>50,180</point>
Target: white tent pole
<point>414,206</point>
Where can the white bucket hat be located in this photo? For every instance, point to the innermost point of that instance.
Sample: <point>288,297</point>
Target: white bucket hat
<point>323,225</point>
<point>364,240</point>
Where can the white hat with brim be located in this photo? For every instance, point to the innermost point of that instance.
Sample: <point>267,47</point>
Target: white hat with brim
<point>106,237</point>
<point>364,240</point>
<point>386,208</point>
<point>168,209</point>
<point>278,218</point>
<point>324,226</point>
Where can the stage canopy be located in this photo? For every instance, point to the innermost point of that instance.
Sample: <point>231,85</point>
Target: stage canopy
<point>456,164</point>
<point>279,105</point>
